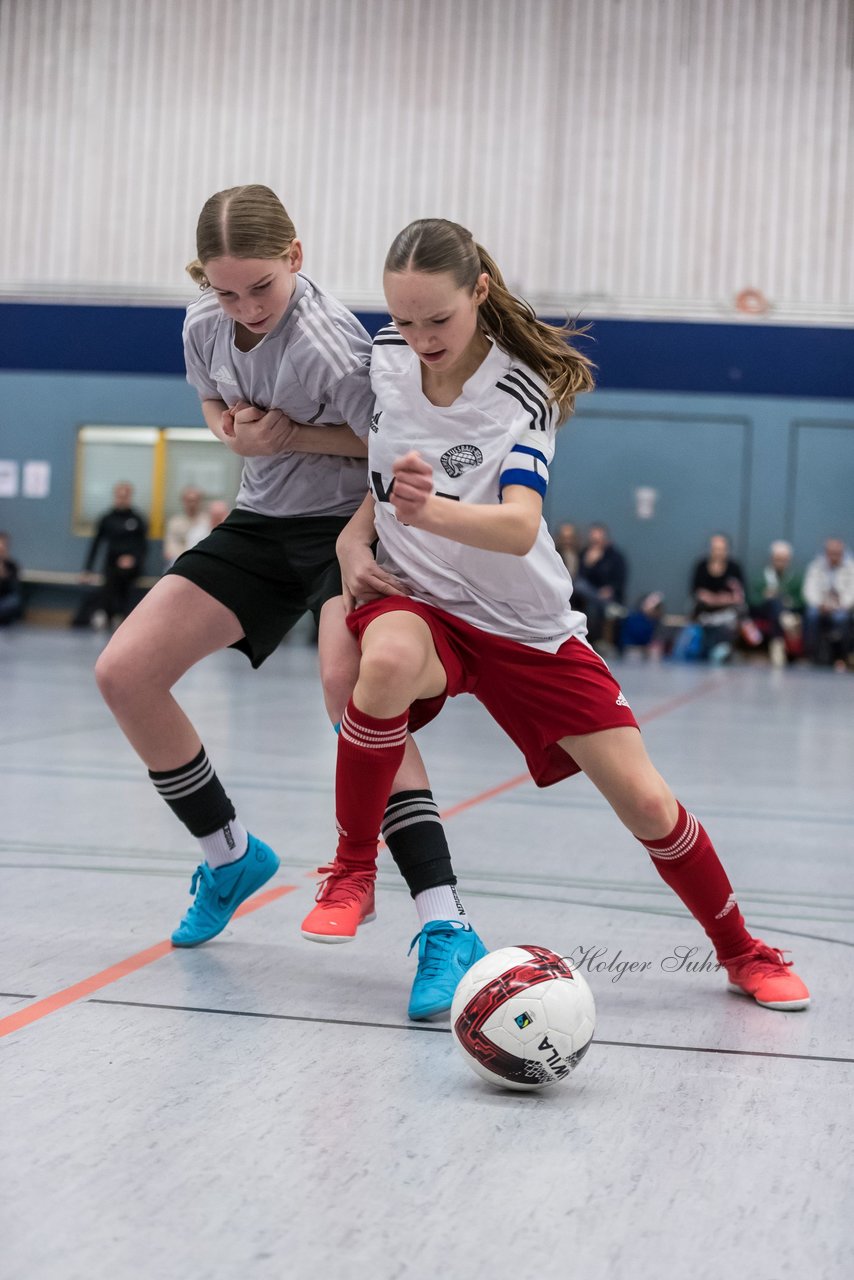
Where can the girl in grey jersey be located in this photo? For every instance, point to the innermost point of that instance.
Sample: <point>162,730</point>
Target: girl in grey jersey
<point>281,369</point>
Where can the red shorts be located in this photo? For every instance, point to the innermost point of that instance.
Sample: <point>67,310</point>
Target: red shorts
<point>537,697</point>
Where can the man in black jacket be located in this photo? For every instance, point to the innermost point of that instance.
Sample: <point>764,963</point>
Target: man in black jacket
<point>600,584</point>
<point>123,532</point>
<point>11,605</point>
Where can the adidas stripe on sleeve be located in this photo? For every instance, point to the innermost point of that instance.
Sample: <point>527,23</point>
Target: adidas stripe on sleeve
<point>519,384</point>
<point>536,416</point>
<point>334,355</point>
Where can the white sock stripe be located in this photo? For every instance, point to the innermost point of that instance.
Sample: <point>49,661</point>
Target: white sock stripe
<point>181,775</point>
<point>400,824</point>
<point>373,739</point>
<point>355,741</point>
<point>405,807</point>
<point>394,822</point>
<point>423,802</point>
<point>373,735</point>
<point>186,780</point>
<point>378,739</point>
<point>681,846</point>
<point>190,789</point>
<point>185,783</point>
<point>369,732</point>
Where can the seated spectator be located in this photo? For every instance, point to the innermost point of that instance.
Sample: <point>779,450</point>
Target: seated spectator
<point>776,602</point>
<point>123,533</point>
<point>717,586</point>
<point>601,582</point>
<point>568,547</point>
<point>640,628</point>
<point>187,527</point>
<point>829,600</point>
<point>11,600</point>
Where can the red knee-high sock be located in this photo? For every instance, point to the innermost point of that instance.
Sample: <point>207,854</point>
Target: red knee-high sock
<point>686,860</point>
<point>369,755</point>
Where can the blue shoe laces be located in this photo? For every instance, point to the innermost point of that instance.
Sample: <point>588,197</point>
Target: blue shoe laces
<point>202,872</point>
<point>438,943</point>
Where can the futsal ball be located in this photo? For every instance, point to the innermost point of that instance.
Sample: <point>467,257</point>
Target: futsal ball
<point>522,1018</point>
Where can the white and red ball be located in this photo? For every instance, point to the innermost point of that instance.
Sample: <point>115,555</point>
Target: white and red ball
<point>522,1018</point>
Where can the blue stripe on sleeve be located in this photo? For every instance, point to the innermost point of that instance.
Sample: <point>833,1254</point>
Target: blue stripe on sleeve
<point>530,479</point>
<point>535,453</point>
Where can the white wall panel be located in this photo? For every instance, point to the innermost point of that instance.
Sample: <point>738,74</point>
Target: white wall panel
<point>622,156</point>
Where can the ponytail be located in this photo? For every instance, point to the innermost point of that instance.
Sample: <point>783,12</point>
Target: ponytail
<point>516,328</point>
<point>435,245</point>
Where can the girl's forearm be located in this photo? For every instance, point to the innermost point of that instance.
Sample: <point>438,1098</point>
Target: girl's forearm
<point>510,528</point>
<point>338,442</point>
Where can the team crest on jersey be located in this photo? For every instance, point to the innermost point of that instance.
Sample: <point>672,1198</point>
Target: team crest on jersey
<point>462,457</point>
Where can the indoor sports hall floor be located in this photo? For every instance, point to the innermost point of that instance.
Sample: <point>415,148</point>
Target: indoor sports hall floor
<point>261,1107</point>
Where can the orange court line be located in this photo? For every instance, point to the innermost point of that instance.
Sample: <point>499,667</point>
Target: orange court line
<point>50,1004</point>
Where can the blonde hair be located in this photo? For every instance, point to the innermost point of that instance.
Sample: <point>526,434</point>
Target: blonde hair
<point>435,245</point>
<point>241,222</point>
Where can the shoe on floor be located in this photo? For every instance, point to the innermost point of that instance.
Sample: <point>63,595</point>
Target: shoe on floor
<point>720,653</point>
<point>763,974</point>
<point>446,950</point>
<point>345,900</point>
<point>220,891</point>
<point>777,651</point>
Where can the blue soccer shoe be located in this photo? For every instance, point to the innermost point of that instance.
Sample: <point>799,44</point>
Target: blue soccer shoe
<point>218,893</point>
<point>446,950</point>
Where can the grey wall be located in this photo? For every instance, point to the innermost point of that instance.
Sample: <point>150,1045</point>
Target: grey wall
<point>624,157</point>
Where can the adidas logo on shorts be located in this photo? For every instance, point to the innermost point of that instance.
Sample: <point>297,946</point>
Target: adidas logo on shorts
<point>621,701</point>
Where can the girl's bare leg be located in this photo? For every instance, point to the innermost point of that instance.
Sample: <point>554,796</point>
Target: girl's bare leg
<point>173,627</point>
<point>339,656</point>
<point>616,762</point>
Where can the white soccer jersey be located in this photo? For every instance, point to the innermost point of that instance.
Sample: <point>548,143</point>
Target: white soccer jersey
<point>500,431</point>
<point>313,366</point>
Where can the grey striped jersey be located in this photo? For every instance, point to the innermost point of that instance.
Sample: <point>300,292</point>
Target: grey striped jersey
<point>314,367</point>
<point>500,431</point>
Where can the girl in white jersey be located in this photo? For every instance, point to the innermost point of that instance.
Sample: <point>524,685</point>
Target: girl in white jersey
<point>470,388</point>
<point>282,372</point>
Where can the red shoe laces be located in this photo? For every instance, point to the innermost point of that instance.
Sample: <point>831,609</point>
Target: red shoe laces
<point>341,887</point>
<point>765,959</point>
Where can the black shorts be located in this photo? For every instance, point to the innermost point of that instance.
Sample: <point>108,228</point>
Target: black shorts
<point>268,571</point>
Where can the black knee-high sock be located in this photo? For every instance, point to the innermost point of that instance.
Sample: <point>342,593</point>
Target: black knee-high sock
<point>196,796</point>
<point>413,831</point>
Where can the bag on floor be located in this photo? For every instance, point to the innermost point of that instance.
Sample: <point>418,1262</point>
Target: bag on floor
<point>689,644</point>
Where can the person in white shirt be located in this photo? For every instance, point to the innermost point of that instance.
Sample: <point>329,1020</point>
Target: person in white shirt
<point>470,389</point>
<point>186,527</point>
<point>829,599</point>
